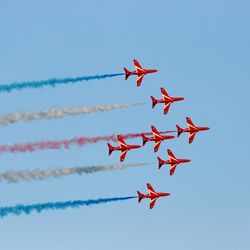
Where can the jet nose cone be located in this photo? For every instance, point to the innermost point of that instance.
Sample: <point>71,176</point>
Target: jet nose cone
<point>207,128</point>
<point>170,136</point>
<point>166,194</point>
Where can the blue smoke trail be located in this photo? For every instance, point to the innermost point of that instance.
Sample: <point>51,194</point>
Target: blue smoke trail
<point>40,207</point>
<point>52,82</point>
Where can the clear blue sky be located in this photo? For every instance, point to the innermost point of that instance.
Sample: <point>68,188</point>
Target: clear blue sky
<point>201,49</point>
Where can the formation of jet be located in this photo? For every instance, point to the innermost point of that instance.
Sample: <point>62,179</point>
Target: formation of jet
<point>157,138</point>
<point>139,71</point>
<point>166,99</point>
<point>152,195</point>
<point>123,147</point>
<point>192,129</point>
<point>173,161</point>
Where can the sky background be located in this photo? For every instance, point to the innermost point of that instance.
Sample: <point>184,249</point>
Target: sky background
<point>201,49</point>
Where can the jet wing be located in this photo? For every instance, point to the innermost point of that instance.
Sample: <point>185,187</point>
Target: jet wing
<point>171,155</point>
<point>164,94</point>
<point>150,189</point>
<point>122,142</point>
<point>139,79</point>
<point>155,132</point>
<point>137,64</point>
<point>172,168</point>
<point>157,145</point>
<point>166,108</point>
<point>190,123</point>
<point>191,136</point>
<point>152,202</point>
<point>123,155</point>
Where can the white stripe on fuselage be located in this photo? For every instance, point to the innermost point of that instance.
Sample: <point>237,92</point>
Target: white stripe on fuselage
<point>152,192</point>
<point>192,126</point>
<point>124,145</point>
<point>157,135</point>
<point>172,158</point>
<point>139,69</point>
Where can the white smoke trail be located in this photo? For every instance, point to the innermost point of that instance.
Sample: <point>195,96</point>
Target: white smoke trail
<point>12,176</point>
<point>58,113</point>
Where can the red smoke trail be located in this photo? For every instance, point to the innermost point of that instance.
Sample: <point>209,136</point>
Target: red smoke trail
<point>78,141</point>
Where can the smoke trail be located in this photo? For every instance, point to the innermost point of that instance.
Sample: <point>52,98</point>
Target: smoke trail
<point>58,113</point>
<point>40,174</point>
<point>52,82</point>
<point>54,144</point>
<point>40,207</point>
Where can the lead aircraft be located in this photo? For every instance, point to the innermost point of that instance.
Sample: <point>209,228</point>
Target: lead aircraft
<point>152,195</point>
<point>139,71</point>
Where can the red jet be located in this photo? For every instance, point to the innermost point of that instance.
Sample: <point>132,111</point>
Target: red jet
<point>139,71</point>
<point>192,129</point>
<point>173,161</point>
<point>152,195</point>
<point>157,138</point>
<point>124,147</point>
<point>166,99</point>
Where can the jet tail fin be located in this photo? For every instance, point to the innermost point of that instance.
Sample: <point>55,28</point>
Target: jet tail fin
<point>111,148</point>
<point>140,196</point>
<point>144,139</point>
<point>179,130</point>
<point>160,161</point>
<point>154,101</point>
<point>127,73</point>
